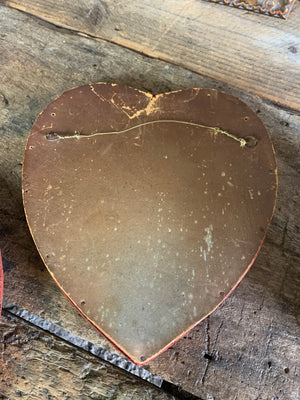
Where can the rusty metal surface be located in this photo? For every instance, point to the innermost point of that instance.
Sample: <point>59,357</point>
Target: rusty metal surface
<point>276,8</point>
<point>148,230</point>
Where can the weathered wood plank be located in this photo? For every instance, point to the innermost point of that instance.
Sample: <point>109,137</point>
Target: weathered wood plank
<point>266,303</point>
<point>36,365</point>
<point>250,345</point>
<point>248,51</point>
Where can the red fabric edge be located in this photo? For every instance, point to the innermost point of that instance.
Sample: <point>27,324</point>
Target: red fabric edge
<point>1,282</point>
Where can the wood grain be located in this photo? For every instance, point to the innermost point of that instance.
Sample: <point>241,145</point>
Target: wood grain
<point>36,365</point>
<point>251,52</point>
<point>249,347</point>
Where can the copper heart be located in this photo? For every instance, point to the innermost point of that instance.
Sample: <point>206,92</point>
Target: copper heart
<point>148,210</point>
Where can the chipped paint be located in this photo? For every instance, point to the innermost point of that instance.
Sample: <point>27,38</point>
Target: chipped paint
<point>251,194</point>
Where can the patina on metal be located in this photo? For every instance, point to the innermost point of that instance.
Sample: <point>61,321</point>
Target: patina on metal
<point>275,8</point>
<point>148,209</point>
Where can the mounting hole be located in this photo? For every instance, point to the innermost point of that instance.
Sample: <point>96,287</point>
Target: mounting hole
<point>51,136</point>
<point>246,118</point>
<point>53,114</point>
<point>250,142</point>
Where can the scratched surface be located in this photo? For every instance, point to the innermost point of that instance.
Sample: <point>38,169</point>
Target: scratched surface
<point>196,35</point>
<point>55,369</point>
<point>147,229</point>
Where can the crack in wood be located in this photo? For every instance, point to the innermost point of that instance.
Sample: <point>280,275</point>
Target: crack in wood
<point>210,353</point>
<point>113,359</point>
<point>136,50</point>
<point>284,252</point>
<point>284,235</point>
<point>91,348</point>
<point>4,99</point>
<point>207,350</point>
<point>91,36</point>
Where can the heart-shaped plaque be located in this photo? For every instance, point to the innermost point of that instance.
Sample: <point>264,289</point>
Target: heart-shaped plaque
<point>148,209</point>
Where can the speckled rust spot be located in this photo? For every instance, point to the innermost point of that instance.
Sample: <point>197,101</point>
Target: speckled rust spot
<point>147,230</point>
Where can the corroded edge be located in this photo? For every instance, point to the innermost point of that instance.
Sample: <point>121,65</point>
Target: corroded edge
<point>278,8</point>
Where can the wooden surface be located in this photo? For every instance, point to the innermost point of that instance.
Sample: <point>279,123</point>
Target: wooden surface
<point>249,347</point>
<point>36,365</point>
<point>243,49</point>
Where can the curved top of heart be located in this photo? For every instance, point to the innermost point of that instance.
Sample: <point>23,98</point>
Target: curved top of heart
<point>148,210</point>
